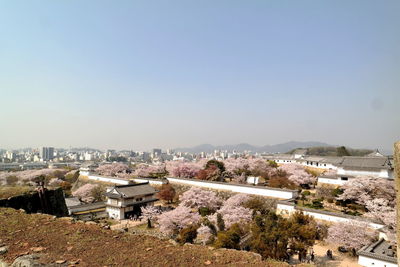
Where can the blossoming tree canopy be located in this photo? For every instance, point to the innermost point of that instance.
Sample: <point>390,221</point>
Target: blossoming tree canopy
<point>175,220</point>
<point>297,174</point>
<point>199,198</point>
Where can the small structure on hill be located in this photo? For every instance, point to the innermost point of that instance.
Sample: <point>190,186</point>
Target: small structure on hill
<point>124,201</point>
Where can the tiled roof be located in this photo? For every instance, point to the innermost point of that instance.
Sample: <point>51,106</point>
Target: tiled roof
<point>131,190</point>
<point>382,250</point>
<point>373,163</point>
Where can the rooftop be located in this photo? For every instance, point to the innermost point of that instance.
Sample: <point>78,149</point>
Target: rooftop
<point>131,190</point>
<point>381,250</point>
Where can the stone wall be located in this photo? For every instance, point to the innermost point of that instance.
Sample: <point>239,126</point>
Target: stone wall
<point>54,202</point>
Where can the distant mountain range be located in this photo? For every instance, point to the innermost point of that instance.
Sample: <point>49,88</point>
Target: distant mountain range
<point>278,148</point>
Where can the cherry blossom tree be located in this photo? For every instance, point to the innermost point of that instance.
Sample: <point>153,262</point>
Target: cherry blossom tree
<point>199,198</point>
<point>240,179</point>
<point>113,169</point>
<point>86,192</point>
<point>151,171</point>
<point>55,182</point>
<point>233,212</point>
<point>150,212</point>
<point>28,176</point>
<point>204,234</point>
<point>183,169</point>
<point>297,174</point>
<point>171,222</point>
<point>364,189</point>
<point>381,210</point>
<point>351,235</point>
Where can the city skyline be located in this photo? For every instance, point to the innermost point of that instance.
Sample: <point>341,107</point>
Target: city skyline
<point>180,74</point>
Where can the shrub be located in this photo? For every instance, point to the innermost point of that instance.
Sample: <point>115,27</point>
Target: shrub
<point>11,180</point>
<point>188,234</point>
<point>306,193</point>
<point>204,211</point>
<point>220,222</point>
<point>229,239</point>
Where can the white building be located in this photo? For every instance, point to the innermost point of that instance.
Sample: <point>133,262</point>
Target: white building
<point>124,201</point>
<point>379,254</point>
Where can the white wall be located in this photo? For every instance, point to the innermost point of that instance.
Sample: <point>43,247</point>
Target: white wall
<point>108,179</point>
<point>285,209</point>
<point>331,181</point>
<point>268,192</point>
<point>370,262</point>
<point>378,174</point>
<point>143,180</point>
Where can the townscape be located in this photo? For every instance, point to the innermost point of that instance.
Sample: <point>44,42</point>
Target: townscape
<point>199,133</point>
<point>292,207</point>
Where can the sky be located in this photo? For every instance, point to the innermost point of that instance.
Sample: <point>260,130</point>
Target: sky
<point>143,74</point>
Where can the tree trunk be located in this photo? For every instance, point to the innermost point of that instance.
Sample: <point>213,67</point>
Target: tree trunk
<point>397,179</point>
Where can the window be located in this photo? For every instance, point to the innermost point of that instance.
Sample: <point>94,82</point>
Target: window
<point>139,199</point>
<point>344,178</point>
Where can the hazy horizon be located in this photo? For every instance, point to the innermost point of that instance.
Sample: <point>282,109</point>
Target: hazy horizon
<point>171,74</point>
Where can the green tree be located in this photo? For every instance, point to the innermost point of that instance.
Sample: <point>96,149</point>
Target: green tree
<point>220,222</point>
<point>342,151</point>
<point>188,234</point>
<point>220,165</point>
<point>230,238</point>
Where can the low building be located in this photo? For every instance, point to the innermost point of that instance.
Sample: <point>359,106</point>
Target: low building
<point>124,201</point>
<point>379,254</point>
<point>374,166</point>
<point>88,212</point>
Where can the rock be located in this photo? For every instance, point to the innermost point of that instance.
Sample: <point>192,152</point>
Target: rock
<point>207,262</point>
<point>27,261</point>
<point>90,222</point>
<point>74,262</point>
<point>3,250</point>
<point>148,249</point>
<point>69,248</point>
<point>68,219</point>
<point>37,249</point>
<point>60,261</point>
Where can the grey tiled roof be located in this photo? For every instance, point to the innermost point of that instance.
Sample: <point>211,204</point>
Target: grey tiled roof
<point>372,163</point>
<point>381,250</point>
<point>131,190</point>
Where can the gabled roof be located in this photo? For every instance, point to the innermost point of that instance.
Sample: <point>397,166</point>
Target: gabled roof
<point>131,190</point>
<point>372,163</point>
<point>376,153</point>
<point>382,250</point>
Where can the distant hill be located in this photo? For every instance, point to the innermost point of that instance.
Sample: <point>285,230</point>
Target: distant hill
<point>332,151</point>
<point>278,148</point>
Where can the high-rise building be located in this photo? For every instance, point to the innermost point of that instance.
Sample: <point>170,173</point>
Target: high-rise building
<point>156,152</point>
<point>46,153</point>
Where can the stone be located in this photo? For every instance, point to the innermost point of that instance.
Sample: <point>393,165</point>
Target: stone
<point>27,261</point>
<point>207,262</point>
<point>37,249</point>
<point>60,261</point>
<point>3,250</point>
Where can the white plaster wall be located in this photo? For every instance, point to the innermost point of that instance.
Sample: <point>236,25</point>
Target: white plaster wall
<point>142,180</point>
<point>108,179</point>
<point>237,188</point>
<point>379,174</point>
<point>331,181</point>
<point>370,262</point>
<point>114,213</point>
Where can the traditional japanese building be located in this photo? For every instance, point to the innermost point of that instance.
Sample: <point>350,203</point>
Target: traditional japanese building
<point>379,254</point>
<point>124,201</point>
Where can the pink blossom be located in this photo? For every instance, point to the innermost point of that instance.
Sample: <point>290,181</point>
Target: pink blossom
<point>150,212</point>
<point>85,192</point>
<point>175,220</point>
<point>113,169</point>
<point>297,174</point>
<point>203,234</point>
<point>150,171</point>
<point>183,169</point>
<point>364,189</point>
<point>351,235</point>
<point>198,198</point>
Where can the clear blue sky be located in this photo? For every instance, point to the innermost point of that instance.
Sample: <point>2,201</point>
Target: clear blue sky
<point>143,74</point>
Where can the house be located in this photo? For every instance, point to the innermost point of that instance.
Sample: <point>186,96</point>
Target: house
<point>379,254</point>
<point>124,201</point>
<point>88,212</point>
<point>374,166</point>
<point>86,169</point>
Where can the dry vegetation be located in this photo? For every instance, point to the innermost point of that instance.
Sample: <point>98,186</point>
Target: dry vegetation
<point>59,239</point>
<point>11,191</point>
